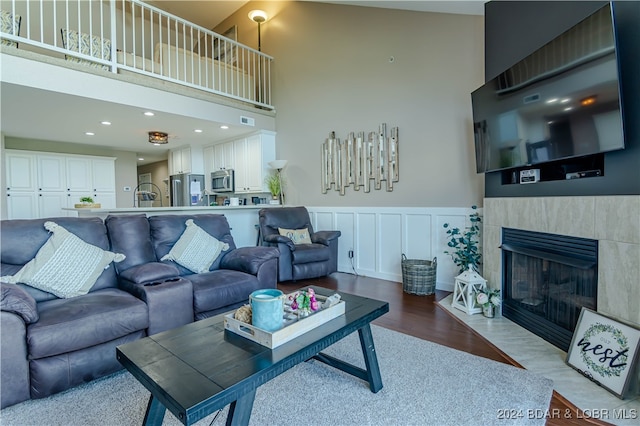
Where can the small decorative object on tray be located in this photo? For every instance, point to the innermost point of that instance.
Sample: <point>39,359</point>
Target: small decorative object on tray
<point>243,314</point>
<point>303,310</point>
<point>303,302</point>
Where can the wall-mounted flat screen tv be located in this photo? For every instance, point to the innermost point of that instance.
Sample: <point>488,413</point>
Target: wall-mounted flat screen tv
<point>561,101</point>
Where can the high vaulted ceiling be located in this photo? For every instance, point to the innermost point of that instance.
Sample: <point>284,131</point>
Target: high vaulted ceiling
<point>203,13</point>
<point>53,110</point>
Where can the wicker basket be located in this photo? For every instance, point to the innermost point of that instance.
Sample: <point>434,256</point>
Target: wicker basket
<point>418,276</point>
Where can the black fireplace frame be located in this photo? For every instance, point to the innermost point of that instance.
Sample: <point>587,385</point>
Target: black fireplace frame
<point>573,251</point>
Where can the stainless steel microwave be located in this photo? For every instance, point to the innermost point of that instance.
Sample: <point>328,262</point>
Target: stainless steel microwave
<point>223,181</point>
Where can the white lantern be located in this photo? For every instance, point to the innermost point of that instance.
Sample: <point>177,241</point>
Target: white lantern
<point>466,285</point>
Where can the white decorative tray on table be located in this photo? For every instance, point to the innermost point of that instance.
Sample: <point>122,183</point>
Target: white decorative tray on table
<point>292,325</point>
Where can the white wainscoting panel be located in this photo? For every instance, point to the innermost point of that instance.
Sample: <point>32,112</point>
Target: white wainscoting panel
<point>420,247</point>
<point>325,220</point>
<point>389,250</point>
<point>346,223</point>
<point>379,236</point>
<point>365,243</point>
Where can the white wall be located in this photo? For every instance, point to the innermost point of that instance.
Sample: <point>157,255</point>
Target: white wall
<point>332,71</point>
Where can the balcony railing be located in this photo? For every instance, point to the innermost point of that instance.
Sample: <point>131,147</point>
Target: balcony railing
<point>131,36</point>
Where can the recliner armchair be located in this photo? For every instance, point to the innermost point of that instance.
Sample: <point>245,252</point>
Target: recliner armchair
<point>298,261</point>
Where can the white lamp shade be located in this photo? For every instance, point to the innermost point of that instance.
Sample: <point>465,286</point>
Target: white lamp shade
<point>258,16</point>
<point>278,164</point>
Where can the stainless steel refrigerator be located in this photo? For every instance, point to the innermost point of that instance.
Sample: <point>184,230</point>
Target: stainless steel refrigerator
<point>186,189</point>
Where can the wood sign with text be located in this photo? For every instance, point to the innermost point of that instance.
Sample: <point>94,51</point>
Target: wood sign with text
<point>605,351</point>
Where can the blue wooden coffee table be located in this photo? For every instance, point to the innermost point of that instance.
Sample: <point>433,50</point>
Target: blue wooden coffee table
<point>199,368</point>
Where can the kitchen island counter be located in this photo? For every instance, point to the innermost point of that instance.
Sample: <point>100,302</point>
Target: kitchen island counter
<point>243,220</point>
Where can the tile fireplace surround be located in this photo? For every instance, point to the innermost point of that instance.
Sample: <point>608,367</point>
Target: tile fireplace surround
<point>612,220</point>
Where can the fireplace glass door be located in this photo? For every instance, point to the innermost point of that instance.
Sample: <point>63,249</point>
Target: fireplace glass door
<point>545,287</point>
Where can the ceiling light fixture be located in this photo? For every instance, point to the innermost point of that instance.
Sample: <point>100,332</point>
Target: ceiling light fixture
<point>198,130</point>
<point>158,138</point>
<point>149,114</point>
<point>89,133</point>
<point>105,123</point>
<point>224,127</point>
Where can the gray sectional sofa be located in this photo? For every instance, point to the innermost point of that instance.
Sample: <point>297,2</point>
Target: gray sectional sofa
<point>50,343</point>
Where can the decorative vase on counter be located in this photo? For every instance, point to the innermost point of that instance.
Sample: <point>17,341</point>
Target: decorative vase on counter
<point>489,311</point>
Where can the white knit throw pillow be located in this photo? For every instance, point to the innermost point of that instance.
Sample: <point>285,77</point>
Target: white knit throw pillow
<point>65,265</point>
<point>196,250</point>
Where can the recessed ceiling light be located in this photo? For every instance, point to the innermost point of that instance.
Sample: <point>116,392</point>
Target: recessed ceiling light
<point>552,100</point>
<point>106,123</point>
<point>568,108</point>
<point>224,127</point>
<point>149,114</point>
<point>198,130</point>
<point>89,133</point>
<point>140,159</point>
<point>565,100</point>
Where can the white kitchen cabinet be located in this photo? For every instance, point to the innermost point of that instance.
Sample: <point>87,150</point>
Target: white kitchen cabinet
<point>20,171</point>
<point>223,156</point>
<point>180,160</point>
<point>79,176</point>
<point>240,152</point>
<point>21,205</point>
<point>207,156</point>
<point>21,179</point>
<point>51,203</point>
<point>103,172</point>
<point>252,155</point>
<point>40,185</point>
<point>107,200</point>
<point>51,173</point>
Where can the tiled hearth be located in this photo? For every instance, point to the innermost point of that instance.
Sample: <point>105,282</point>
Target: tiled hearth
<point>537,355</point>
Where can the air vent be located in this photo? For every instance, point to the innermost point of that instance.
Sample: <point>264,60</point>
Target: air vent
<point>531,98</point>
<point>247,121</point>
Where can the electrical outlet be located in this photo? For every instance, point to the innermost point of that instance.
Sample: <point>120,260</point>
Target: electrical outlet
<point>350,254</point>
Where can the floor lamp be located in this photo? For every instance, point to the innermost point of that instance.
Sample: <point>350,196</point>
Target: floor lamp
<point>279,165</point>
<point>259,17</point>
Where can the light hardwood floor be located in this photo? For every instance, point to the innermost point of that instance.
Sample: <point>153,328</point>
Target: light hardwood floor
<point>422,317</point>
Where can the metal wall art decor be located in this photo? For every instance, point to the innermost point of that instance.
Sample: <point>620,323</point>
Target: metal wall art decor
<point>358,160</point>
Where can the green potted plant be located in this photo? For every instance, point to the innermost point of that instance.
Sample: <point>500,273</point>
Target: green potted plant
<point>464,244</point>
<point>86,202</point>
<point>273,184</point>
